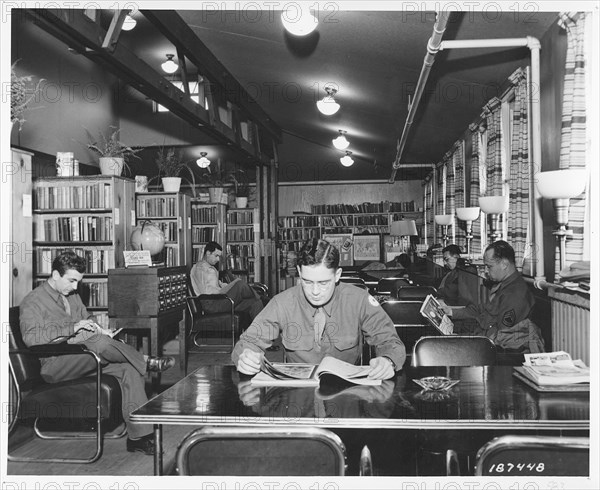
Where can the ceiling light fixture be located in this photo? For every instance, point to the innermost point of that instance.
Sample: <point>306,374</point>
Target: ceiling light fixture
<point>203,162</point>
<point>170,66</point>
<point>327,105</point>
<point>129,23</point>
<point>346,160</point>
<point>341,143</point>
<point>298,20</point>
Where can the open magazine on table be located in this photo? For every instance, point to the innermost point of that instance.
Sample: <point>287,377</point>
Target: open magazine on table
<point>298,374</point>
<point>433,313</point>
<point>554,370</point>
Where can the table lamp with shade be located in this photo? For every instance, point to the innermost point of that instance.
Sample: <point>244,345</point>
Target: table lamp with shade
<point>444,220</point>
<point>560,186</point>
<point>494,205</point>
<point>468,215</point>
<point>404,229</point>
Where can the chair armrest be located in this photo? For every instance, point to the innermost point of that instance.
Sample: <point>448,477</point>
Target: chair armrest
<point>47,350</point>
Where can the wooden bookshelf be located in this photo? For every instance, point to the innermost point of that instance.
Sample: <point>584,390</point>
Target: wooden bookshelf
<point>242,242</point>
<point>208,223</point>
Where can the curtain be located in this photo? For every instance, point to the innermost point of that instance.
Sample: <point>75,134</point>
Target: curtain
<point>429,210</point>
<point>494,170</point>
<point>475,190</point>
<point>573,134</point>
<point>520,168</point>
<point>458,162</point>
<point>449,200</point>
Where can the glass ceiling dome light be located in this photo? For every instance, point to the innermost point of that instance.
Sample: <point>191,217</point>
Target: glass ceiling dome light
<point>129,23</point>
<point>170,66</point>
<point>341,143</point>
<point>203,162</point>
<point>327,105</point>
<point>346,160</point>
<point>298,20</point>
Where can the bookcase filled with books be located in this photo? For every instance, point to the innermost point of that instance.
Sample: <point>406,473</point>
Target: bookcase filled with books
<point>208,224</point>
<point>243,242</point>
<point>90,215</point>
<point>170,211</point>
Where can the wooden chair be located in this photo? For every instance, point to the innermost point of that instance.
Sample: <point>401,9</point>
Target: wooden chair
<point>67,402</point>
<point>264,451</point>
<point>515,456</point>
<point>213,324</point>
<point>413,293</point>
<point>454,350</point>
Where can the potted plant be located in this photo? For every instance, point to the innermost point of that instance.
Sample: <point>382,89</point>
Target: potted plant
<point>216,177</point>
<point>21,94</point>
<point>114,154</point>
<point>242,188</point>
<point>170,167</point>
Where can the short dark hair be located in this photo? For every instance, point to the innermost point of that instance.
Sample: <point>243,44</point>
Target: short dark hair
<point>452,249</point>
<point>404,260</point>
<point>67,260</point>
<point>502,250</point>
<point>316,251</point>
<point>211,247</point>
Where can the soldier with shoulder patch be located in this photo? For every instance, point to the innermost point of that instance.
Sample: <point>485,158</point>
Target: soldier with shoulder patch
<point>322,317</point>
<point>510,300</point>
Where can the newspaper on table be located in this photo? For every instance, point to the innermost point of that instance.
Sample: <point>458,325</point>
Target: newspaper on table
<point>554,368</point>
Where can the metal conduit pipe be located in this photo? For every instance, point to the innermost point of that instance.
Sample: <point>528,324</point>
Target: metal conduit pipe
<point>432,48</point>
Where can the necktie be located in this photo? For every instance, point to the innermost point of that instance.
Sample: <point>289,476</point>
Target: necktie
<point>66,304</point>
<point>319,325</point>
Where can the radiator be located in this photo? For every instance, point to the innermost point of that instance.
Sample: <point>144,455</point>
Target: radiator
<point>571,329</point>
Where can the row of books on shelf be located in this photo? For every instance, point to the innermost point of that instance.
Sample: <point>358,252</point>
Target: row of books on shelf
<point>72,228</point>
<point>206,214</point>
<point>240,263</point>
<point>156,207</point>
<point>297,221</point>
<point>240,250</point>
<point>365,207</point>
<point>97,259</point>
<point>170,229</point>
<point>197,252</point>
<point>240,234</point>
<point>94,294</point>
<point>171,256</point>
<point>86,196</point>
<point>298,233</point>
<point>245,217</point>
<point>203,233</point>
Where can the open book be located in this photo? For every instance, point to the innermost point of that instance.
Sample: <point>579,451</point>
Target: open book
<point>553,369</point>
<point>298,374</point>
<point>432,311</point>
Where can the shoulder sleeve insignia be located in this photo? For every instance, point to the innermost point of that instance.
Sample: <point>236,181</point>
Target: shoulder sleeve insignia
<point>373,301</point>
<point>509,318</point>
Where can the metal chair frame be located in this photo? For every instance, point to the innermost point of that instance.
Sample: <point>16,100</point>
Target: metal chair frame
<point>486,353</point>
<point>328,438</point>
<point>197,314</point>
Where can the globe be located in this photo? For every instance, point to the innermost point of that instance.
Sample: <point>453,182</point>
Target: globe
<point>148,237</point>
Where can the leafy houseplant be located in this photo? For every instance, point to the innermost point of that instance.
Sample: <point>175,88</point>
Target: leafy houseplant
<point>21,95</point>
<point>170,166</point>
<point>114,154</point>
<point>241,187</point>
<point>217,178</point>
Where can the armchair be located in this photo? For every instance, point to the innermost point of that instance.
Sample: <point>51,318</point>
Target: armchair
<point>67,401</point>
<point>213,324</point>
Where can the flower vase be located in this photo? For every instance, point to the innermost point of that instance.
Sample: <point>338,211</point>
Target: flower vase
<point>241,202</point>
<point>215,194</point>
<point>171,184</point>
<point>111,165</point>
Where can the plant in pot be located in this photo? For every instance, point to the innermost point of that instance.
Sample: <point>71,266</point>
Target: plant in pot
<point>217,177</point>
<point>114,154</point>
<point>170,168</point>
<point>241,188</point>
<point>21,95</point>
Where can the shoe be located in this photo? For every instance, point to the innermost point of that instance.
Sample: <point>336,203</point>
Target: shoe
<point>143,445</point>
<point>159,364</point>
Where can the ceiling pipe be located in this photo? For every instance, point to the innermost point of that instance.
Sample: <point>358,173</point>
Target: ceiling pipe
<point>433,46</point>
<point>537,229</point>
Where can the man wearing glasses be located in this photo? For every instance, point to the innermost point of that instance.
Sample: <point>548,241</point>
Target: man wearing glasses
<point>205,280</point>
<point>321,316</point>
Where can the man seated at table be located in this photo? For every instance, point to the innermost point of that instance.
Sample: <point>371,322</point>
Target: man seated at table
<point>54,309</point>
<point>504,318</point>
<point>322,316</point>
<point>205,280</point>
<point>448,288</point>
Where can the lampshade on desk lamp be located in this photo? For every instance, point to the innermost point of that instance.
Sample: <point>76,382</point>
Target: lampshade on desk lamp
<point>404,228</point>
<point>468,215</point>
<point>444,220</point>
<point>494,205</point>
<point>560,186</point>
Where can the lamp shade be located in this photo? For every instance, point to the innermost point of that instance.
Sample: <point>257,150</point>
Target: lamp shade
<point>444,219</point>
<point>468,214</point>
<point>170,66</point>
<point>341,143</point>
<point>328,106</point>
<point>493,204</point>
<point>561,184</point>
<point>298,20</point>
<point>406,227</point>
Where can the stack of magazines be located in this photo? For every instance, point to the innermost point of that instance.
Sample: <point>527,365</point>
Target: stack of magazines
<point>554,371</point>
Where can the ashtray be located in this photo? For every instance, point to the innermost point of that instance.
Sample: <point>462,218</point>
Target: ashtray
<point>436,383</point>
